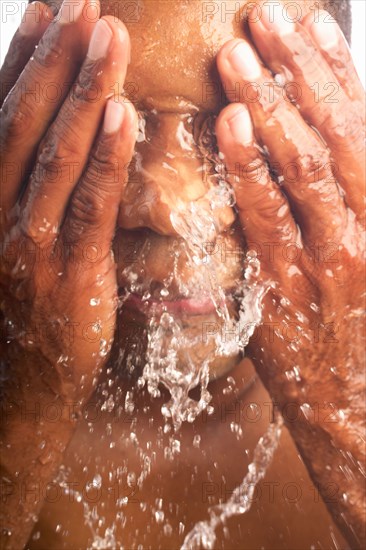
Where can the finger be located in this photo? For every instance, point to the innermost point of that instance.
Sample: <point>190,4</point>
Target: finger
<point>35,21</point>
<point>93,211</point>
<point>263,209</point>
<point>64,151</point>
<point>295,152</point>
<point>288,50</point>
<point>333,46</point>
<point>40,90</point>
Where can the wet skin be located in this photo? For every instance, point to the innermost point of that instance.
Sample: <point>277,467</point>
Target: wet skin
<point>309,348</point>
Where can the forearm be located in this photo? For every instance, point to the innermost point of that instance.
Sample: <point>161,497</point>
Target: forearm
<point>334,453</point>
<point>36,427</point>
<point>324,411</point>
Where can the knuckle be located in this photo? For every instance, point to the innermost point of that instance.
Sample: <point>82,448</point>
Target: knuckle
<point>55,152</point>
<point>20,254</point>
<point>14,122</point>
<point>86,208</point>
<point>104,160</point>
<point>107,172</point>
<point>32,237</point>
<point>75,227</point>
<point>344,126</point>
<point>308,169</point>
<point>250,181</point>
<point>271,100</point>
<point>86,88</point>
<point>268,209</point>
<point>254,168</point>
<point>50,51</point>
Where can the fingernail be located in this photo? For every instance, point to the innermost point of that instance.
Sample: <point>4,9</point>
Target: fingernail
<point>100,40</point>
<point>277,18</point>
<point>124,39</point>
<point>30,20</point>
<point>244,62</point>
<point>70,11</point>
<point>113,118</point>
<point>325,33</point>
<point>240,126</point>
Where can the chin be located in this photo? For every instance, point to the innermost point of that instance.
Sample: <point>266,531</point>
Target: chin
<point>195,337</point>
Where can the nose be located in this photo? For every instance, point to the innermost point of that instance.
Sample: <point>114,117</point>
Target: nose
<point>168,172</point>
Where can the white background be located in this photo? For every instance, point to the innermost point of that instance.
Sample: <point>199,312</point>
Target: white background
<point>10,22</point>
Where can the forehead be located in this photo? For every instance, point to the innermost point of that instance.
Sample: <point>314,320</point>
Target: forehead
<point>174,44</point>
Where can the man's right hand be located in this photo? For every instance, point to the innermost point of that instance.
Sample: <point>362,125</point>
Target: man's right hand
<point>66,141</point>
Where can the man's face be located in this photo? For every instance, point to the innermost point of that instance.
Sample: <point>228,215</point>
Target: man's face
<point>177,252</point>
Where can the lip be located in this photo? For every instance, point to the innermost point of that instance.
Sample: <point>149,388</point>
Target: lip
<point>178,307</point>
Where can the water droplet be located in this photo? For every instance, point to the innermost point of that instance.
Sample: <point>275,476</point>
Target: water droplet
<point>97,481</point>
<point>103,347</point>
<point>129,404</point>
<point>131,479</point>
<point>236,429</point>
<point>168,530</point>
<point>159,516</point>
<point>197,441</point>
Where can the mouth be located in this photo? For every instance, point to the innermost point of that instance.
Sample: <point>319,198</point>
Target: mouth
<point>180,306</point>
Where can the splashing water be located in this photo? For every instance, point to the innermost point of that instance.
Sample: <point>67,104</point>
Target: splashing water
<point>164,367</point>
<point>203,533</point>
<point>166,339</point>
<point>197,226</point>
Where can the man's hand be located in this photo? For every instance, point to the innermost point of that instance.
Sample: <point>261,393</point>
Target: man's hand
<point>293,146</point>
<point>66,140</point>
<point>65,148</point>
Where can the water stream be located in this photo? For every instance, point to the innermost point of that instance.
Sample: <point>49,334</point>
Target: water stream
<point>203,533</point>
